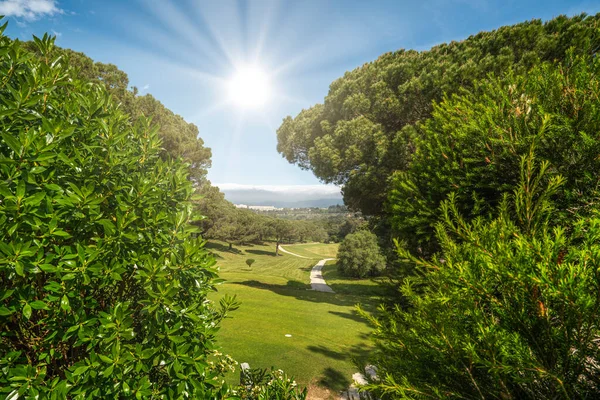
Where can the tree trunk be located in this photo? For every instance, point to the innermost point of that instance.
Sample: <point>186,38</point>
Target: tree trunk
<point>277,248</point>
<point>230,246</point>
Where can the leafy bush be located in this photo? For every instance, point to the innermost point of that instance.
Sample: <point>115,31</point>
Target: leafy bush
<point>359,255</point>
<point>102,290</point>
<point>260,384</point>
<point>249,262</point>
<point>473,143</point>
<point>509,311</point>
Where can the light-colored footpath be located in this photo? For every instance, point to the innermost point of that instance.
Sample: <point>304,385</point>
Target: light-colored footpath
<point>317,282</point>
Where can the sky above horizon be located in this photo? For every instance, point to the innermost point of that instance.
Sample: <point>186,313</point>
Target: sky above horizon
<point>186,52</point>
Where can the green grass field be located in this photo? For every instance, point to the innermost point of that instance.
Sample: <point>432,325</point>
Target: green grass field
<point>327,333</point>
<point>317,251</point>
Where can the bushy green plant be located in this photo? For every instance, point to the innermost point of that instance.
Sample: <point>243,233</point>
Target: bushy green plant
<point>473,143</point>
<point>250,261</point>
<point>359,255</point>
<point>102,290</point>
<point>509,310</point>
<point>260,384</point>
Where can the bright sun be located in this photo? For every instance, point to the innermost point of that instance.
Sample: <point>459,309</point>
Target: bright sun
<point>249,87</point>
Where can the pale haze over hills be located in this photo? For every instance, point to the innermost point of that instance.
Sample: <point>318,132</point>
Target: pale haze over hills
<point>282,195</point>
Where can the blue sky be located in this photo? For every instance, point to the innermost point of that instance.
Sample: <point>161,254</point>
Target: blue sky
<point>184,52</point>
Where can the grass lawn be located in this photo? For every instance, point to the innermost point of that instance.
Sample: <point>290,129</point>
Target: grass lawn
<point>314,250</point>
<point>326,331</point>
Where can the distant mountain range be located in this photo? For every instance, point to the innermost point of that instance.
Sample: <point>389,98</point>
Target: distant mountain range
<point>284,196</point>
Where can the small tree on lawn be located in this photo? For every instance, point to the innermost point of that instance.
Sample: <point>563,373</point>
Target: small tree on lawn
<point>249,262</point>
<point>359,255</point>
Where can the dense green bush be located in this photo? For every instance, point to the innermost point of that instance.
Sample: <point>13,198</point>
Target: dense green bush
<point>359,255</point>
<point>261,384</point>
<point>473,143</point>
<point>509,311</point>
<point>102,290</point>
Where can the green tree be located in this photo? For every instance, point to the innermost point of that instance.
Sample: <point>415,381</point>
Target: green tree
<point>250,261</point>
<point>179,138</point>
<point>361,133</point>
<point>102,290</point>
<point>359,255</point>
<point>508,311</point>
<point>473,143</point>
<point>283,230</point>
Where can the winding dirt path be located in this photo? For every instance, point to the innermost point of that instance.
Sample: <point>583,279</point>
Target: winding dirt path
<point>317,282</point>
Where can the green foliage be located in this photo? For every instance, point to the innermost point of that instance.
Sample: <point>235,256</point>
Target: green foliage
<point>508,311</point>
<point>359,255</point>
<point>360,135</point>
<point>250,261</point>
<point>473,143</point>
<point>102,290</point>
<point>223,221</point>
<point>179,138</point>
<point>260,384</point>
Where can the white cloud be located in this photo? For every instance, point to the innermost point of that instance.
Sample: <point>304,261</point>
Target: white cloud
<point>57,34</point>
<point>146,87</point>
<point>29,9</point>
<point>327,190</point>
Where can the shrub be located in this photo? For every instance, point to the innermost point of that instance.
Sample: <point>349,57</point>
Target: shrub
<point>260,384</point>
<point>359,255</point>
<point>509,311</point>
<point>249,262</point>
<point>473,143</point>
<point>102,290</point>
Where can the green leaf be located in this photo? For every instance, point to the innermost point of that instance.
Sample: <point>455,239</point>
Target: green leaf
<point>68,277</point>
<point>109,227</point>
<point>12,142</point>
<point>37,170</point>
<point>4,311</point>
<point>21,186</point>
<point>64,303</point>
<point>39,305</point>
<point>105,359</point>
<point>35,200</point>
<point>108,371</point>
<point>19,268</point>
<point>6,294</point>
<point>81,370</point>
<point>27,311</point>
<point>53,186</point>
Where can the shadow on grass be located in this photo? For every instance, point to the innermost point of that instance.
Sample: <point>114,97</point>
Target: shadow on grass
<point>222,248</point>
<point>334,379</point>
<point>353,315</point>
<point>299,291</point>
<point>261,252</point>
<point>356,353</point>
<point>347,285</point>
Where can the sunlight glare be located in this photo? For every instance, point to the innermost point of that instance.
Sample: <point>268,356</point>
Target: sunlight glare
<point>249,87</point>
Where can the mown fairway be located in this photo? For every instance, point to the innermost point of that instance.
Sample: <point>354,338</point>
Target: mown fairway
<point>326,331</point>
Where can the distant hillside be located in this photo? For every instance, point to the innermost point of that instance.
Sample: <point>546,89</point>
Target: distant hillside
<point>283,196</point>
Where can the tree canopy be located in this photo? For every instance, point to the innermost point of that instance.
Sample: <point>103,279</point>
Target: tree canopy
<point>358,137</point>
<point>179,138</point>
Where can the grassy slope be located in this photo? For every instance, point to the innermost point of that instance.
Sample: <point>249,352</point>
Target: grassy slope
<point>326,331</point>
<point>314,250</point>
